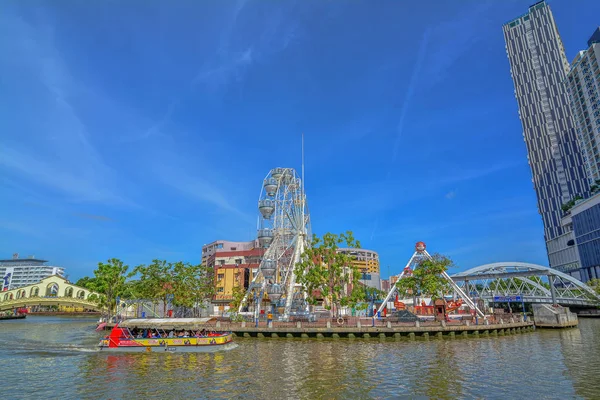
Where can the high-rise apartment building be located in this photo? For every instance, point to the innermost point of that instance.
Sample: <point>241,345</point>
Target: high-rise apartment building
<point>539,68</point>
<point>367,261</point>
<point>18,272</point>
<point>583,84</point>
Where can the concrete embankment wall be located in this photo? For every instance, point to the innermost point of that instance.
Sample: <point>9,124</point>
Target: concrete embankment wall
<point>389,331</point>
<point>554,316</point>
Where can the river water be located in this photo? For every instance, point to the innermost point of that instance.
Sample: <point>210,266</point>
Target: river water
<point>54,357</point>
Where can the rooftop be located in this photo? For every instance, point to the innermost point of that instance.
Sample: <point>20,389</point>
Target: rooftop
<point>595,38</point>
<point>23,261</point>
<point>535,6</point>
<point>583,205</point>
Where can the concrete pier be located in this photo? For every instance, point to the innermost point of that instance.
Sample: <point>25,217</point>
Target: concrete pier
<point>548,316</point>
<point>379,332</point>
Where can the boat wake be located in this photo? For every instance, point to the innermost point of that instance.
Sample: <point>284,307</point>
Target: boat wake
<point>230,346</point>
<point>42,348</point>
<point>33,347</point>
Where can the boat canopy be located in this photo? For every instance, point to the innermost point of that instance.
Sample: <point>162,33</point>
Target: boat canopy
<point>167,323</point>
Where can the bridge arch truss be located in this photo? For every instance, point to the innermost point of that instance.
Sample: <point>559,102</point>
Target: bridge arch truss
<point>534,283</point>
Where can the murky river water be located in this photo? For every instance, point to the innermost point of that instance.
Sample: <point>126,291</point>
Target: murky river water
<point>54,357</point>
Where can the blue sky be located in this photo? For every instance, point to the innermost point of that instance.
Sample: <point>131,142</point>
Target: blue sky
<point>143,130</point>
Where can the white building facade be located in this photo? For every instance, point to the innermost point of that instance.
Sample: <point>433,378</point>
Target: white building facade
<point>539,68</point>
<point>583,84</point>
<point>18,272</point>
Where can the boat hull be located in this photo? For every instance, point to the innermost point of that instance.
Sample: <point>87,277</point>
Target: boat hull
<point>7,317</point>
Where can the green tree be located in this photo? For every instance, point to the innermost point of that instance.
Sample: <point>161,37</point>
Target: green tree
<point>193,285</point>
<point>87,282</point>
<point>594,284</point>
<point>237,295</point>
<point>155,281</point>
<point>109,282</point>
<point>569,204</point>
<point>427,279</point>
<point>323,269</point>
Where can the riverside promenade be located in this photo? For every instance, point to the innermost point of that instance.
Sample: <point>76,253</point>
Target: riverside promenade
<point>367,328</point>
<point>354,327</point>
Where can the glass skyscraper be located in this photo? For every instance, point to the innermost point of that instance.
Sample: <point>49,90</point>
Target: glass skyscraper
<point>584,89</point>
<point>539,68</point>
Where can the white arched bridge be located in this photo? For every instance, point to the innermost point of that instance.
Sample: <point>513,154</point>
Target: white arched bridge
<point>525,282</point>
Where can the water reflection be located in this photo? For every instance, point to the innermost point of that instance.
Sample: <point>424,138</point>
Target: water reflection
<point>580,349</point>
<point>57,356</point>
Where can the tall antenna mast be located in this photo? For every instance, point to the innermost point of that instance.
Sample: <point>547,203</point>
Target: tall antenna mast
<point>303,194</point>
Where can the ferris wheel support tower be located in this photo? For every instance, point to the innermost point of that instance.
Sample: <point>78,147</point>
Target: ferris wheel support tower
<point>420,254</point>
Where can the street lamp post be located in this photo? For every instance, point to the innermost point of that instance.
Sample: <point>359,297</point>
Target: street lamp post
<point>255,310</point>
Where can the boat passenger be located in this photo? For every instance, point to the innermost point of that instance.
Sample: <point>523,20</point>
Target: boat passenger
<point>171,333</point>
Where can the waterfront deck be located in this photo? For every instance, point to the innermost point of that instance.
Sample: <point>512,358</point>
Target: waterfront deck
<point>364,328</point>
<point>557,325</point>
<point>388,331</point>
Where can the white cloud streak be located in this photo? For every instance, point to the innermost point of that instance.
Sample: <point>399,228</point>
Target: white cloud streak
<point>472,174</point>
<point>58,153</point>
<point>408,96</point>
<point>198,188</point>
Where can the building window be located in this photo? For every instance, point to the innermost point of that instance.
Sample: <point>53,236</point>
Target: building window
<point>221,262</point>
<point>220,276</point>
<point>220,290</point>
<point>234,248</point>
<point>238,260</point>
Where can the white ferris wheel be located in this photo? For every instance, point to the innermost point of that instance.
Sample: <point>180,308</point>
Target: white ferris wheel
<point>284,231</point>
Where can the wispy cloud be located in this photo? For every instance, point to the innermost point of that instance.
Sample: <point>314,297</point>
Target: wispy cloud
<point>403,112</point>
<point>423,229</point>
<point>223,71</point>
<point>476,173</point>
<point>93,217</point>
<point>58,153</point>
<point>408,95</point>
<point>77,185</point>
<point>451,195</point>
<point>198,188</point>
<point>239,50</point>
<point>156,128</point>
<point>20,228</point>
<point>454,37</point>
<point>231,59</point>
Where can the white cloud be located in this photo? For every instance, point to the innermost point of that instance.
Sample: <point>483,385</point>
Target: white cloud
<point>231,60</point>
<point>222,72</point>
<point>75,184</point>
<point>57,151</point>
<point>197,188</point>
<point>476,173</point>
